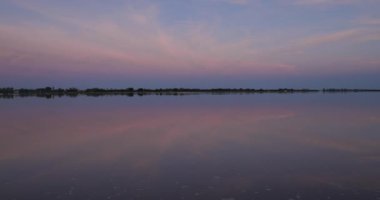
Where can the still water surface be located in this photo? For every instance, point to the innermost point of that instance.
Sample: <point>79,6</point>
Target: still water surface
<point>225,147</point>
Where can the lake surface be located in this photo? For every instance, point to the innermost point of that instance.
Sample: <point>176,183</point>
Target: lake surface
<point>225,147</point>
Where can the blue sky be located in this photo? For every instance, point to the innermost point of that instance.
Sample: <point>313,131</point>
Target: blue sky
<point>199,43</point>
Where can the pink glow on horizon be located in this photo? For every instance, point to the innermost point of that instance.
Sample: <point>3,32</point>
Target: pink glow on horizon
<point>136,41</point>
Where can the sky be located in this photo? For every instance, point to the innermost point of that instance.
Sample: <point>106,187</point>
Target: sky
<point>192,43</point>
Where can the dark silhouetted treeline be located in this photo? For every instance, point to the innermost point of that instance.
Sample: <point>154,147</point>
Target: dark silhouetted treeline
<point>348,90</point>
<point>50,92</point>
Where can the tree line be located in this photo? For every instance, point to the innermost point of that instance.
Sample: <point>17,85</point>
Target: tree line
<point>50,92</point>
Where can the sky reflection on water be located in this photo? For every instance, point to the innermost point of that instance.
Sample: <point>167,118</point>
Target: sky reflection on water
<point>271,146</point>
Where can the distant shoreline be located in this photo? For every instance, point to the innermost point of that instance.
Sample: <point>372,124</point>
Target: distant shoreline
<point>49,92</point>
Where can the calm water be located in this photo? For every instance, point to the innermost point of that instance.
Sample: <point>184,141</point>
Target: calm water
<point>225,147</point>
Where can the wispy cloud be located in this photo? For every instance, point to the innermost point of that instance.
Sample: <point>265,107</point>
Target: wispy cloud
<point>367,21</point>
<point>330,37</point>
<point>134,39</point>
<point>145,38</point>
<point>324,2</point>
<point>239,2</point>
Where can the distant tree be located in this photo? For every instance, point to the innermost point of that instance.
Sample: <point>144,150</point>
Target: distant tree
<point>72,90</point>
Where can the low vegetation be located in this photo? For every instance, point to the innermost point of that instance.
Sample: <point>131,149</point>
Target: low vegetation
<point>50,92</point>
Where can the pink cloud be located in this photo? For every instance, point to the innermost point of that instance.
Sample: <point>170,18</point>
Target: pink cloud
<point>239,2</point>
<point>330,37</point>
<point>325,2</point>
<point>140,44</point>
<point>368,21</point>
<point>135,41</point>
